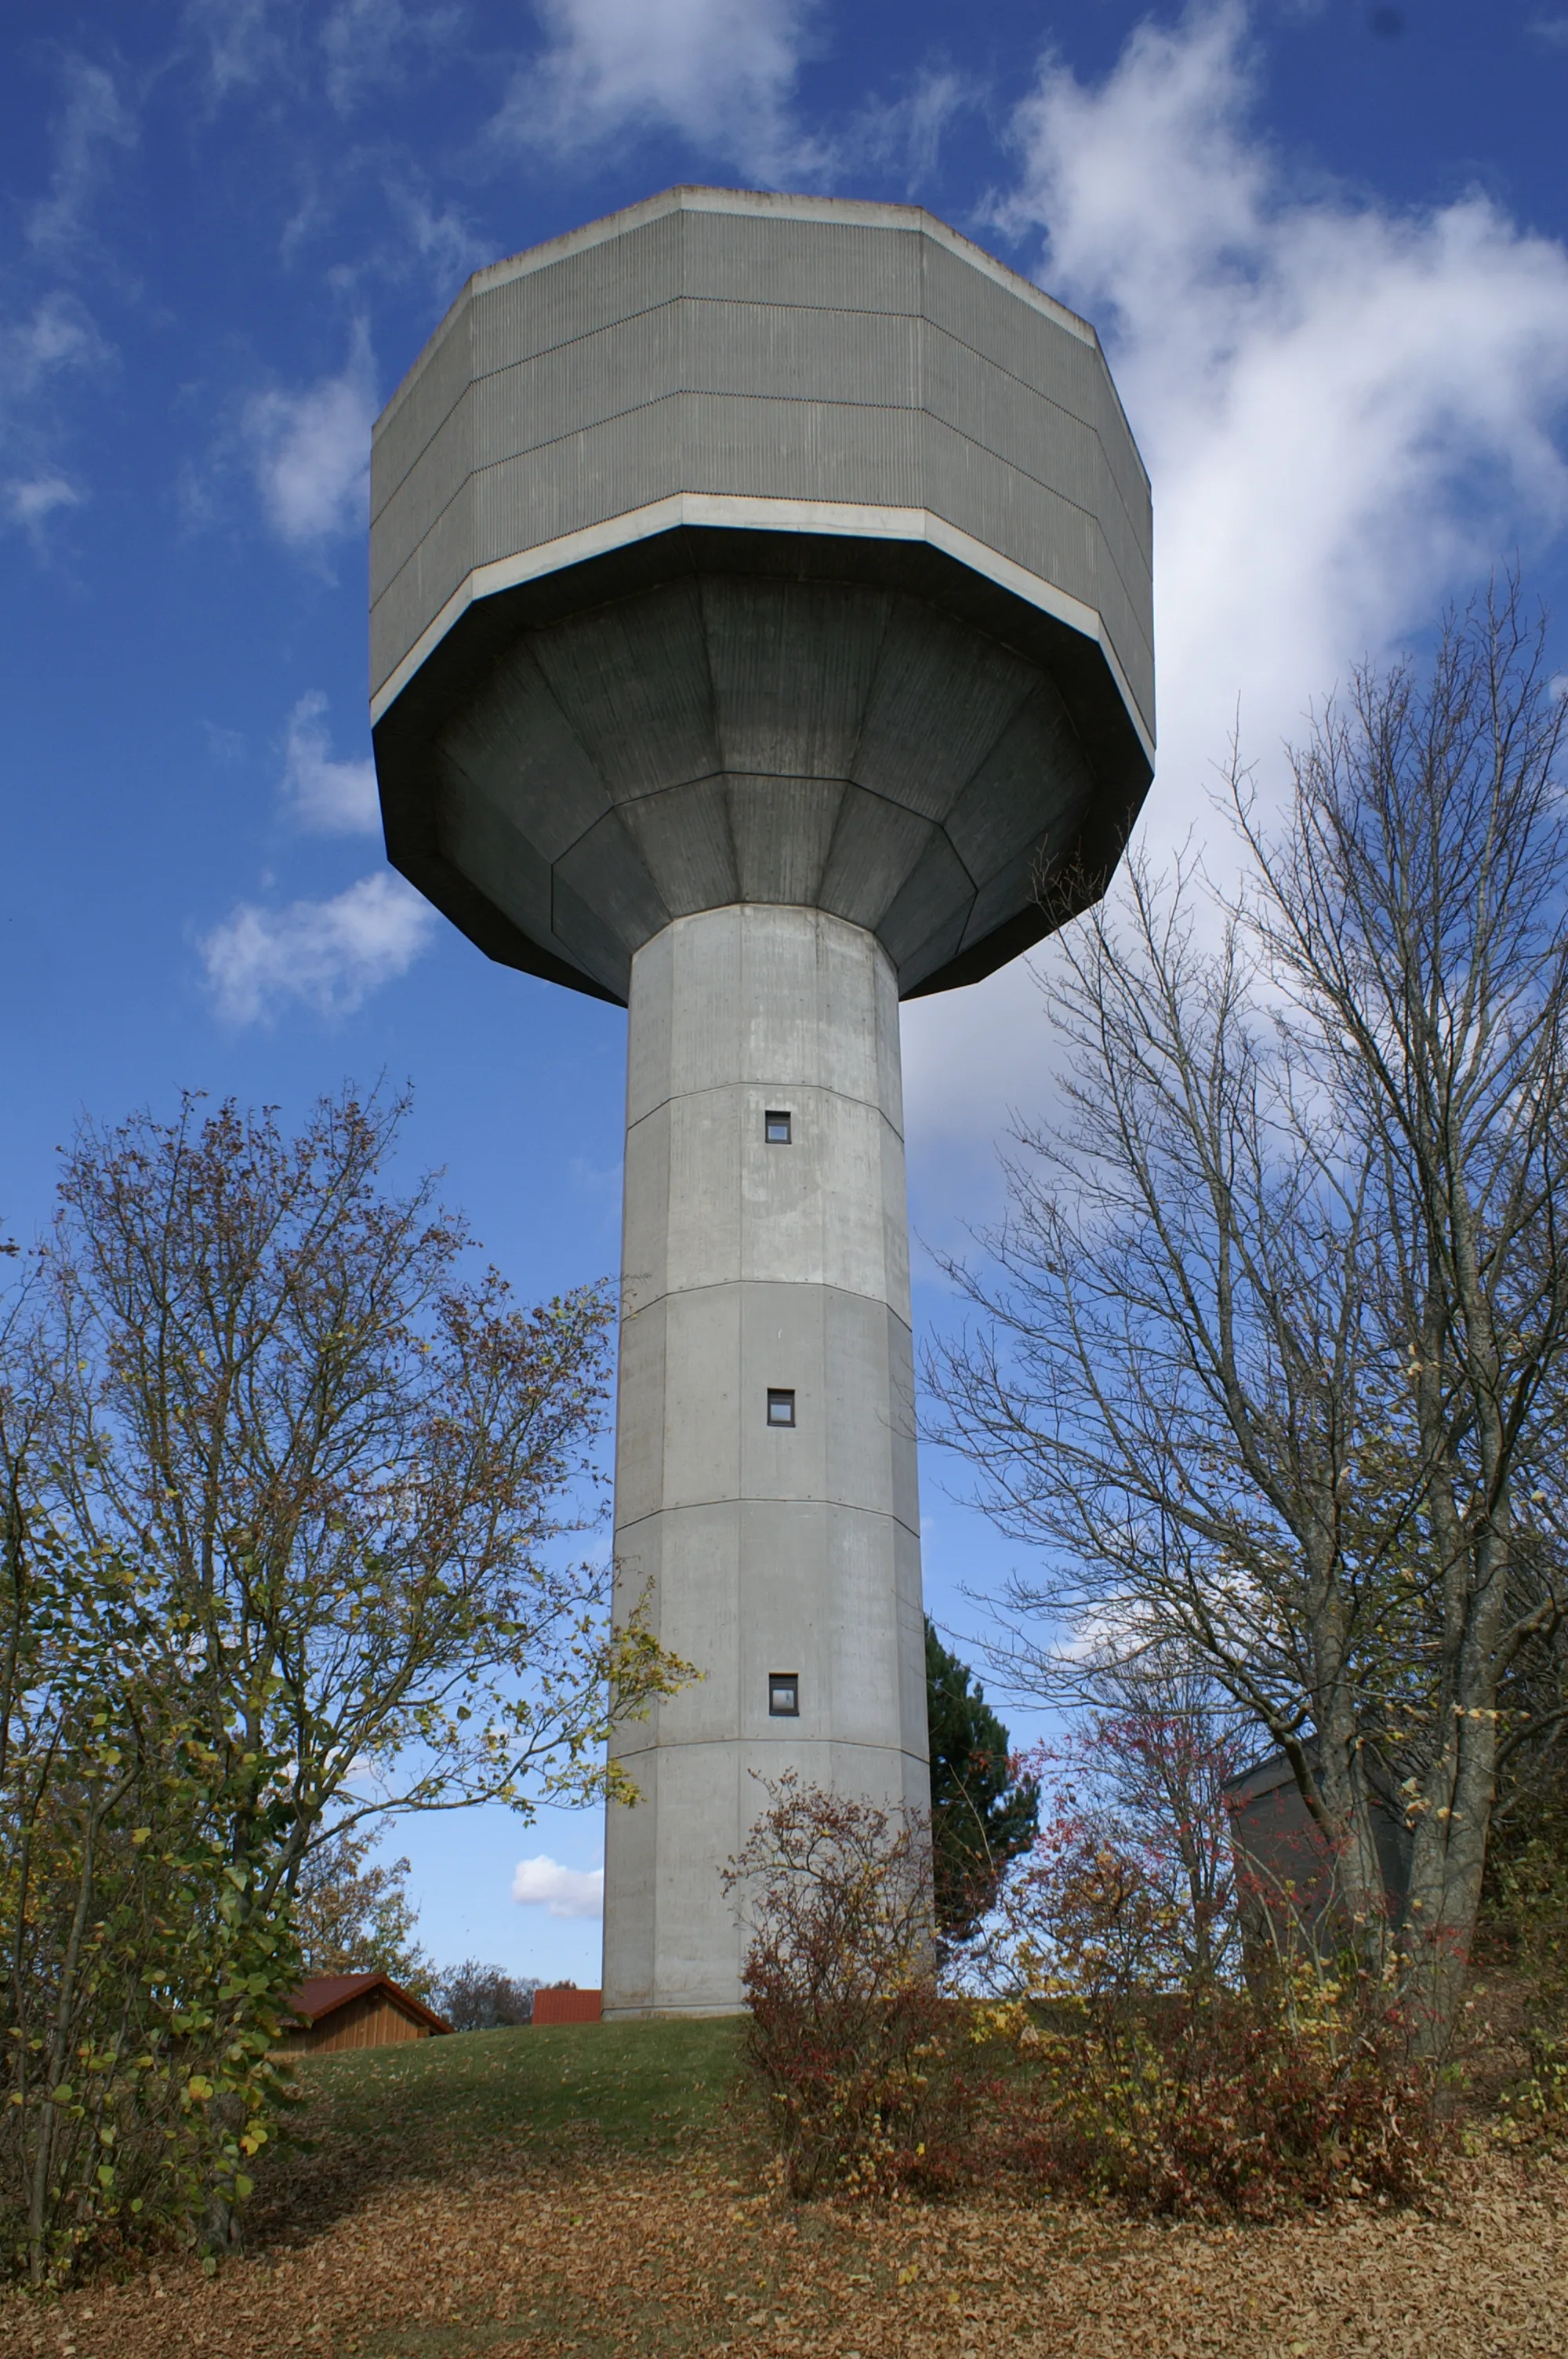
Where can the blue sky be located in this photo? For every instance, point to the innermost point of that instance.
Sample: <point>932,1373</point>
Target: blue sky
<point>1326,246</point>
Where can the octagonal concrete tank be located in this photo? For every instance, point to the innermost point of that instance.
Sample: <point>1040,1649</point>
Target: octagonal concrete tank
<point>761,633</point>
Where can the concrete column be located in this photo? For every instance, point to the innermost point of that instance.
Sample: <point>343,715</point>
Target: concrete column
<point>753,1268</point>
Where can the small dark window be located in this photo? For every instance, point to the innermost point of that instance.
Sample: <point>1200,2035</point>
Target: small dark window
<point>781,1408</point>
<point>776,1130</point>
<point>784,1694</point>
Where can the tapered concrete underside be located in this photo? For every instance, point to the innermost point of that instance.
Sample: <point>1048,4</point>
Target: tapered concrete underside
<point>752,1267</point>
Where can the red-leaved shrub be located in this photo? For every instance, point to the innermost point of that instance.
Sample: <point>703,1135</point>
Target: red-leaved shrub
<point>1184,2091</point>
<point>848,2042</point>
<point>1103,2056</point>
<point>1231,2104</point>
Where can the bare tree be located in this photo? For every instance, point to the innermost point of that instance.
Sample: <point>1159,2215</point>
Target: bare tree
<point>1270,1362</point>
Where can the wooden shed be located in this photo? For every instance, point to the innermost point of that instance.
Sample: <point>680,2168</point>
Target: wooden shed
<point>357,2011</point>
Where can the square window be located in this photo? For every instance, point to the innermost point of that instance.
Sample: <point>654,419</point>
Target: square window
<point>776,1130</point>
<point>784,1695</point>
<point>781,1408</point>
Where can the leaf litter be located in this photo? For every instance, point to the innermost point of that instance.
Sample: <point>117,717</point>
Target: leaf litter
<point>614,2260</point>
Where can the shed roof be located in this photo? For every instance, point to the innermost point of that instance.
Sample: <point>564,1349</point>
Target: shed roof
<point>323,1994</point>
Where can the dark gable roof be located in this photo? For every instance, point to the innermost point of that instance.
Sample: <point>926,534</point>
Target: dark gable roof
<point>323,1994</point>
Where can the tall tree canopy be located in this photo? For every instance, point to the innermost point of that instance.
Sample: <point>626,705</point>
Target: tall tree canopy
<point>350,1464</point>
<point>981,1816</point>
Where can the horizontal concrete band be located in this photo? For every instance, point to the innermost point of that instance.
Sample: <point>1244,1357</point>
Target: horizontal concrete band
<point>869,1292</point>
<point>760,1090</point>
<point>629,1532</point>
<point>737,391</point>
<point>697,1368</point>
<point>737,513</point>
<point>704,357</point>
<point>726,1744</point>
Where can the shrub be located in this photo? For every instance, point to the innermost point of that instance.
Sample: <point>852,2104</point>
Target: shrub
<point>147,1959</point>
<point>1175,2091</point>
<point>849,2041</point>
<point>1527,1920</point>
<point>1223,2105</point>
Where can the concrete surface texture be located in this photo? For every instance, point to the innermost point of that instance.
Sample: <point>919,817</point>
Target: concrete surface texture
<point>761,634</point>
<point>760,1271</point>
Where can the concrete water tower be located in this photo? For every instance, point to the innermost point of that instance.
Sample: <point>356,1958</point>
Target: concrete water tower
<point>761,618</point>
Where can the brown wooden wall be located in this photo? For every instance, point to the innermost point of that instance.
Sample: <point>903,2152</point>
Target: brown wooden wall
<point>373,2021</point>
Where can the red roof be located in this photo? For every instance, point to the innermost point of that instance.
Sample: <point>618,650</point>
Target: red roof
<point>323,1994</point>
<point>570,2005</point>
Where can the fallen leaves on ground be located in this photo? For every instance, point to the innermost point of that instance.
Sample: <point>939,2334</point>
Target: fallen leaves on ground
<point>606,2260</point>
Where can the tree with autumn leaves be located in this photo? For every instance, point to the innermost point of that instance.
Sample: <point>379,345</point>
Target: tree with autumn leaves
<point>261,1419</point>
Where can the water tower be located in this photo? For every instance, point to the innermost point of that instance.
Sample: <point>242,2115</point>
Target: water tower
<point>760,619</point>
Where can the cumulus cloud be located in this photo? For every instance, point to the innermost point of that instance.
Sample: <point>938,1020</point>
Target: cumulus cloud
<point>717,73</point>
<point>1348,412</point>
<point>328,796</point>
<point>310,451</point>
<point>327,956</point>
<point>542,1883</point>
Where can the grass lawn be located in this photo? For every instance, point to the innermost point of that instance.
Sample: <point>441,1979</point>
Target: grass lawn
<point>483,2096</point>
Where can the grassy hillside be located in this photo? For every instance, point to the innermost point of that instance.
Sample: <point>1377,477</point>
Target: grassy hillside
<point>386,2114</point>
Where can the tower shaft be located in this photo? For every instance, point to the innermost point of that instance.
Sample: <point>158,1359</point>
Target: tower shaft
<point>765,1486</point>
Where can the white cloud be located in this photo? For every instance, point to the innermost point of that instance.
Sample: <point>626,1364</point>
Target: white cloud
<point>719,72</point>
<point>35,352</point>
<point>1348,412</point>
<point>451,246</point>
<point>324,955</point>
<point>310,451</point>
<point>31,499</point>
<point>242,39</point>
<point>327,797</point>
<point>365,43</point>
<point>542,1883</point>
<point>59,335</point>
<point>1550,31</point>
<point>94,120</point>
<point>907,133</point>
